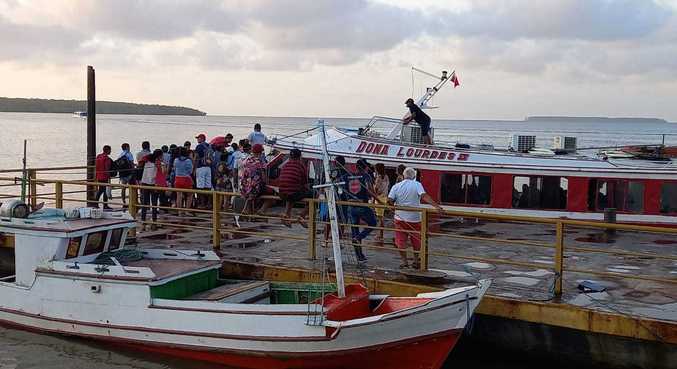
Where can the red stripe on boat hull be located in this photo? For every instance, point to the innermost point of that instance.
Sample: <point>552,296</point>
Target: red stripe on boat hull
<point>426,353</point>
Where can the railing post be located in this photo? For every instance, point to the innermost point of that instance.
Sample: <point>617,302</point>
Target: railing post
<point>216,220</point>
<point>33,188</point>
<point>559,258</point>
<point>133,201</point>
<point>423,254</point>
<point>312,230</point>
<point>58,194</point>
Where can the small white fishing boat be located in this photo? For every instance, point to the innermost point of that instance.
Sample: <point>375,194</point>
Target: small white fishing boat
<point>75,277</point>
<point>79,114</point>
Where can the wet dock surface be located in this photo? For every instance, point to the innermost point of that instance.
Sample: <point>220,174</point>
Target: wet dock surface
<point>471,243</point>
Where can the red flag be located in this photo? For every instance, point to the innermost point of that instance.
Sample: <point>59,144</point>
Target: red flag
<point>454,79</point>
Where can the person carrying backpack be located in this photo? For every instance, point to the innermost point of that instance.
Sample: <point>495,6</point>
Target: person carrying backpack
<point>125,167</point>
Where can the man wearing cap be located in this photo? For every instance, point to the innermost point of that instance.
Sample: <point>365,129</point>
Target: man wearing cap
<point>203,162</point>
<point>360,188</point>
<point>423,120</point>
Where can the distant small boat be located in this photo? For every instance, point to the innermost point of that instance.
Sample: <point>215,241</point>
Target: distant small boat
<point>80,114</point>
<point>652,151</point>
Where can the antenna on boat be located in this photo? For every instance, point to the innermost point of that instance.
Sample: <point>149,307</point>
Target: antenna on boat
<point>24,175</point>
<point>330,193</point>
<point>423,101</point>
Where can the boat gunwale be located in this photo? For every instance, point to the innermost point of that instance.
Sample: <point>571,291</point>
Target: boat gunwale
<point>260,353</point>
<point>342,326</point>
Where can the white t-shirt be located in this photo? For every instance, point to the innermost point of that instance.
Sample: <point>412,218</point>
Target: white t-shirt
<point>257,137</point>
<point>149,173</point>
<point>407,193</point>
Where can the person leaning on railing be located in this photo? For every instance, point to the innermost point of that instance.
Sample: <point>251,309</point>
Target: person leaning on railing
<point>154,174</point>
<point>409,192</point>
<point>183,170</point>
<point>294,186</point>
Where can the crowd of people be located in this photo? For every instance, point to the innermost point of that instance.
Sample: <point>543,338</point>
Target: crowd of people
<point>225,166</point>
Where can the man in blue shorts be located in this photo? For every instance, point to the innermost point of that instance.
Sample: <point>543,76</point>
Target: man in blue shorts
<point>423,120</point>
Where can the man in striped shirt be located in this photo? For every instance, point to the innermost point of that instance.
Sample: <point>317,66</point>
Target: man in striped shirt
<point>293,183</point>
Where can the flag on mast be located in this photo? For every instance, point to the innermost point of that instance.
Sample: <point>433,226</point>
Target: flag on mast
<point>455,80</point>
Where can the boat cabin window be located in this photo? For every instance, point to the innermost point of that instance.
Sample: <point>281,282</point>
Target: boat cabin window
<point>73,247</point>
<point>115,239</point>
<point>95,242</point>
<point>620,194</point>
<point>466,189</point>
<point>539,192</point>
<point>669,198</point>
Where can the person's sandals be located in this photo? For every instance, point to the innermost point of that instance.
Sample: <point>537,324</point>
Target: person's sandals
<point>404,265</point>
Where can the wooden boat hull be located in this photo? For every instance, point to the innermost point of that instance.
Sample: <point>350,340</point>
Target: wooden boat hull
<point>416,332</point>
<point>421,353</point>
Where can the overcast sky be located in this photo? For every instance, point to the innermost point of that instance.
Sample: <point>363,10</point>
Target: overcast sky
<point>349,58</point>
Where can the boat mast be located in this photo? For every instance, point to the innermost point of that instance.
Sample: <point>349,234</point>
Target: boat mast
<point>330,194</point>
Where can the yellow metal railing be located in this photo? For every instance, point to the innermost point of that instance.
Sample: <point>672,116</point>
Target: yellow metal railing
<point>428,229</point>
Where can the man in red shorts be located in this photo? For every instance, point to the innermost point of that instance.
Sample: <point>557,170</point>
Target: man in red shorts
<point>409,192</point>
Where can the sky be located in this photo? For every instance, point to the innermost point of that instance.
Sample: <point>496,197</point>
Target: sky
<point>349,58</point>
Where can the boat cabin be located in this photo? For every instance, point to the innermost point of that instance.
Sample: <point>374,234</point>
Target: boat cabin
<point>48,244</point>
<point>488,180</point>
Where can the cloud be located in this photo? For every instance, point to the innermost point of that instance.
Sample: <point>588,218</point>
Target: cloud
<point>599,38</point>
<point>593,20</point>
<point>35,42</point>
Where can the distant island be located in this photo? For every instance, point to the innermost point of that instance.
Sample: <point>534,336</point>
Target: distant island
<point>20,105</point>
<point>594,119</point>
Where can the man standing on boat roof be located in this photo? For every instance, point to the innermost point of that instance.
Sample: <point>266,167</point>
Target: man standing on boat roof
<point>423,120</point>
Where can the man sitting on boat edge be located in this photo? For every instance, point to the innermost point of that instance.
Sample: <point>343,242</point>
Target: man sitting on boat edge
<point>423,120</point>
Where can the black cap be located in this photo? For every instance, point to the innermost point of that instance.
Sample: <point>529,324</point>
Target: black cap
<point>295,153</point>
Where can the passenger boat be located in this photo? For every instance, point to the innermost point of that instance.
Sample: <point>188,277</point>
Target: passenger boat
<point>74,276</point>
<point>79,114</point>
<point>530,182</point>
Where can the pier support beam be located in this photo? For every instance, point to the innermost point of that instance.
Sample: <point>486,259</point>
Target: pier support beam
<point>423,254</point>
<point>91,134</point>
<point>559,258</point>
<point>216,220</point>
<point>58,193</point>
<point>312,227</point>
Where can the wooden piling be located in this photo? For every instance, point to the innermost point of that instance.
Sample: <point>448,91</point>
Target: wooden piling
<point>91,134</point>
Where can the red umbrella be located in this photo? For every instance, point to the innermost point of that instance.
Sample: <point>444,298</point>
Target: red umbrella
<point>218,141</point>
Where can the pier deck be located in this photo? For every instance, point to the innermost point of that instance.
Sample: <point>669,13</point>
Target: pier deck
<point>633,323</point>
<point>642,298</point>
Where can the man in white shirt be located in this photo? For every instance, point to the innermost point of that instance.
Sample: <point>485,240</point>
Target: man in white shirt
<point>409,193</point>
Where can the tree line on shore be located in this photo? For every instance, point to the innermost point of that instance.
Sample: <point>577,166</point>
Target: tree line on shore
<point>23,105</point>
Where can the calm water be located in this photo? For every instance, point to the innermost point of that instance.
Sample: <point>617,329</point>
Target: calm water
<point>59,140</point>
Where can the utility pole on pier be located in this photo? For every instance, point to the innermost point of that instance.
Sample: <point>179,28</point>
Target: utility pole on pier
<point>91,134</point>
